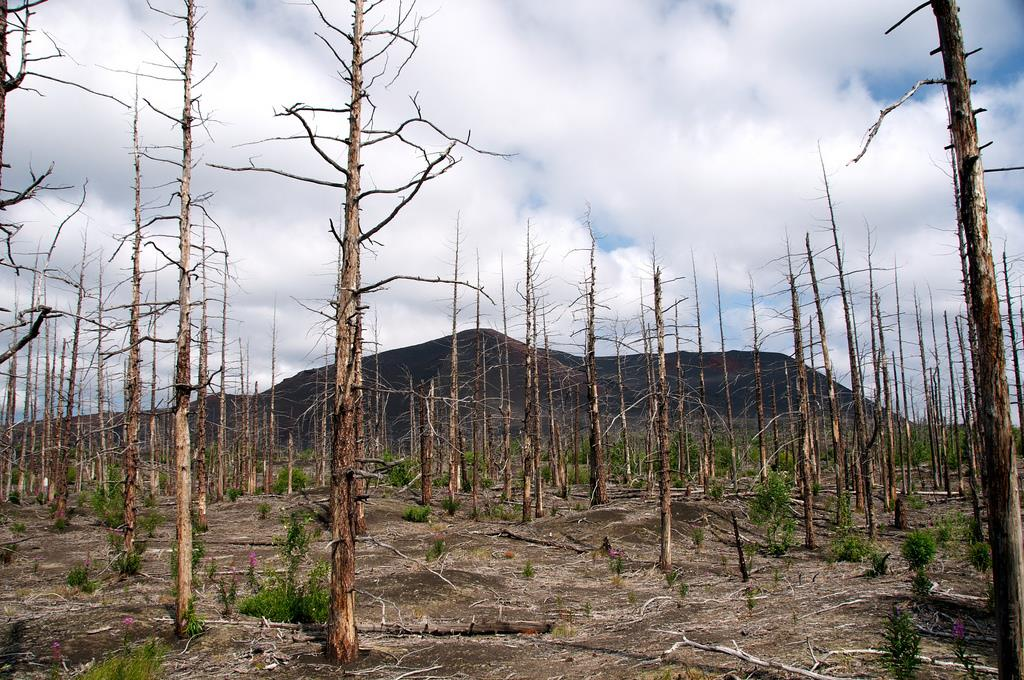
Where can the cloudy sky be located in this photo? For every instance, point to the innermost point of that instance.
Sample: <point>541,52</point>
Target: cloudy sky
<point>692,126</point>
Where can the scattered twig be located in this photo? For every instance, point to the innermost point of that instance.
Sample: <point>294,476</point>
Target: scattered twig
<point>753,660</point>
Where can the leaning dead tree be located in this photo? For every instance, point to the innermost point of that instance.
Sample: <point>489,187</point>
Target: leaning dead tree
<point>995,429</point>
<point>803,440</point>
<point>371,57</point>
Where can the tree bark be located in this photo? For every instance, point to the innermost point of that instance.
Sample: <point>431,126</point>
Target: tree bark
<point>993,392</point>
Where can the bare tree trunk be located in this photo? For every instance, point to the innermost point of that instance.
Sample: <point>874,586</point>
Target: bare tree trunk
<point>996,429</point>
<point>268,463</point>
<point>758,389</point>
<point>803,444</point>
<point>60,509</point>
<point>598,471</point>
<point>725,382</point>
<point>1013,351</point>
<point>623,420</point>
<point>953,408</point>
<point>454,454</point>
<point>133,378</point>
<point>707,466</point>
<point>661,396</point>
<point>929,411</point>
<point>860,452</point>
<point>478,397</point>
<point>426,443</point>
<point>183,344</point>
<point>201,392</point>
<point>528,397</point>
<point>684,435</point>
<point>908,442</point>
<point>506,397</point>
<point>833,401</point>
<point>222,428</point>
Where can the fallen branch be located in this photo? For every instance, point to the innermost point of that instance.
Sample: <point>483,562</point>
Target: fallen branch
<point>752,660</point>
<point>873,130</point>
<point>581,549</point>
<point>425,628</point>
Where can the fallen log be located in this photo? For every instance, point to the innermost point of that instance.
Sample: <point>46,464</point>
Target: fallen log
<point>471,628</point>
<point>398,629</point>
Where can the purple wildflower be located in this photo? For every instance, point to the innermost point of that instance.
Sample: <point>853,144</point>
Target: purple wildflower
<point>958,630</point>
<point>55,650</point>
<point>252,560</point>
<point>128,621</point>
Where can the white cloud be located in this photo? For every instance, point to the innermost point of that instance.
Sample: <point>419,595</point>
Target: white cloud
<point>692,125</point>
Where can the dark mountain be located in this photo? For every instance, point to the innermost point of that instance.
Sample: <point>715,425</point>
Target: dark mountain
<point>389,376</point>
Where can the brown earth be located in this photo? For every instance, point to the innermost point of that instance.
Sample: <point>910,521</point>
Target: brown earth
<point>799,609</point>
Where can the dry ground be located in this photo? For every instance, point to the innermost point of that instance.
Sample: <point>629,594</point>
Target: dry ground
<point>799,609</point>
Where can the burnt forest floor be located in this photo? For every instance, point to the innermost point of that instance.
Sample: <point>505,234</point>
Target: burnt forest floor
<point>801,609</point>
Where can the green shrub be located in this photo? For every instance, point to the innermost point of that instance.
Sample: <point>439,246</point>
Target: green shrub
<point>416,513</point>
<point>715,490</point>
<point>129,563</point>
<point>921,584</point>
<point>14,498</point>
<point>438,550</point>
<point>769,508</point>
<point>451,506</point>
<point>281,597</point>
<point>299,480</point>
<point>18,528</point>
<point>233,494</point>
<point>150,521</point>
<point>528,570</point>
<point>850,548</point>
<point>263,510</point>
<point>401,473</point>
<point>952,529</point>
<point>60,525</point>
<point>698,537</point>
<point>902,645</point>
<point>140,663</point>
<point>979,556</point>
<point>919,548</point>
<point>78,578</point>
<point>107,500</point>
<point>194,624</point>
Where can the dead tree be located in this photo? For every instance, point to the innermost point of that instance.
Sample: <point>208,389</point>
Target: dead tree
<point>529,405</point>
<point>454,437</point>
<point>707,465</point>
<point>222,427</point>
<point>598,471</point>
<point>201,392</point>
<point>803,438</point>
<point>426,442</point>
<point>1013,350</point>
<point>268,463</point>
<point>133,377</point>
<point>860,452</point>
<point>758,388</point>
<point>833,401</point>
<point>64,446</point>
<point>730,432</point>
<point>993,392</point>
<point>506,398</point>
<point>995,430</point>
<point>661,400</point>
<point>183,343</point>
<point>392,29</point>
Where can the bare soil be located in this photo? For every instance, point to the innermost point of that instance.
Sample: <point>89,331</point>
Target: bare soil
<point>800,609</point>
